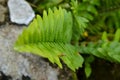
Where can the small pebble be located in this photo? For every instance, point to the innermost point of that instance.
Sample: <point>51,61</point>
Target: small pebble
<point>20,12</point>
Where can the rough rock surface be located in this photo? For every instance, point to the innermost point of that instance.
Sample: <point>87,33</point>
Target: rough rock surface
<point>3,11</point>
<point>2,2</point>
<point>16,65</point>
<point>20,11</point>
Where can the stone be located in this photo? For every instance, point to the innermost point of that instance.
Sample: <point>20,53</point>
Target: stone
<point>0,76</point>
<point>2,2</point>
<point>19,66</point>
<point>3,11</point>
<point>20,12</point>
<point>15,64</point>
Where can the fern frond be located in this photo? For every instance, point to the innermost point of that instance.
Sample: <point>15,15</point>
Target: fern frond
<point>108,50</point>
<point>50,38</point>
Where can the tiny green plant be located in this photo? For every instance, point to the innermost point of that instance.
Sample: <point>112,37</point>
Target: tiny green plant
<point>88,69</point>
<point>50,37</point>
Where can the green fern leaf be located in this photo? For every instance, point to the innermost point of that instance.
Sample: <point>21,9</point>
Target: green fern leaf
<point>117,35</point>
<point>104,36</point>
<point>50,38</point>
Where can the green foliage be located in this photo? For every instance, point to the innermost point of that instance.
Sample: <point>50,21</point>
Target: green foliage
<point>79,23</point>
<point>108,16</point>
<point>105,49</point>
<point>88,69</point>
<point>104,36</point>
<point>102,14</point>
<point>40,5</point>
<point>60,34</point>
<point>108,50</point>
<point>117,35</point>
<point>86,8</point>
<point>50,38</point>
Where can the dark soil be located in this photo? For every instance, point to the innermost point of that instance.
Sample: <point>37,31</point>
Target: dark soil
<point>7,77</point>
<point>101,70</point>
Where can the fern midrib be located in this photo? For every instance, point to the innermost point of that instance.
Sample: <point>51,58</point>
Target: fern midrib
<point>52,42</point>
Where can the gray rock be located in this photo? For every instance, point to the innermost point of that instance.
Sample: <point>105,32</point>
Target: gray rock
<point>17,64</point>
<point>0,76</point>
<point>3,11</point>
<point>20,11</point>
